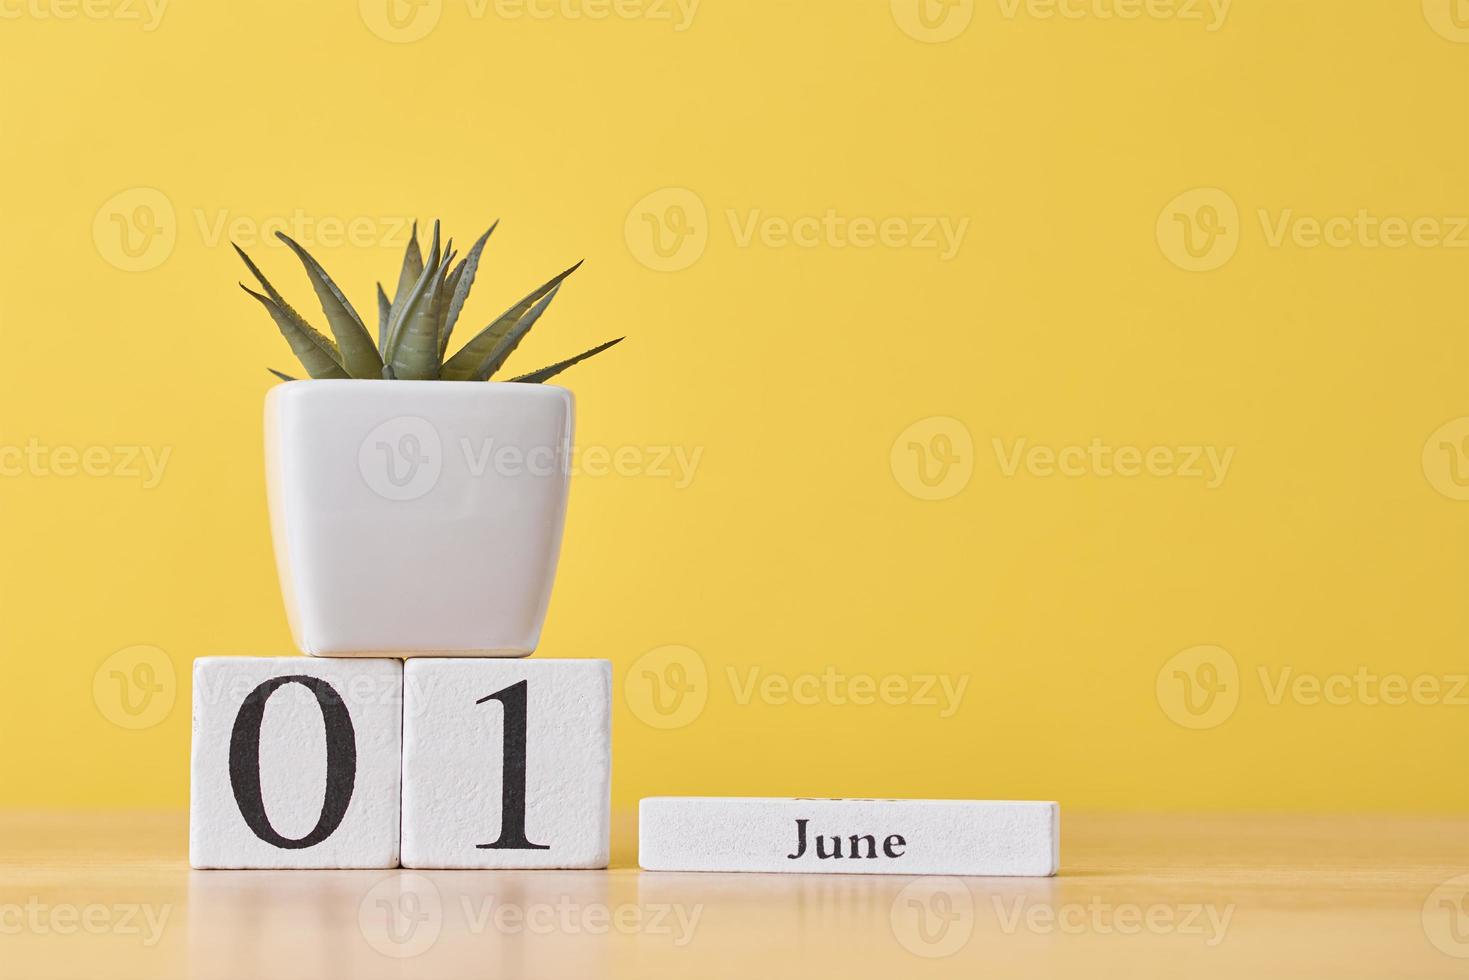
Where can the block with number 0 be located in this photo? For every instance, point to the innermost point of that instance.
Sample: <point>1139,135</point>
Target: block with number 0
<point>295,763</point>
<point>507,763</point>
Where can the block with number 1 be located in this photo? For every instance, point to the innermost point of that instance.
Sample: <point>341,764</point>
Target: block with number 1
<point>507,763</point>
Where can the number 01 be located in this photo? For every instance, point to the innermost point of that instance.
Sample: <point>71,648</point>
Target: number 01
<point>341,765</point>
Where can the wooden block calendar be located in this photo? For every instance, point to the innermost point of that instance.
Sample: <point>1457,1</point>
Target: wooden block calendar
<point>492,764</point>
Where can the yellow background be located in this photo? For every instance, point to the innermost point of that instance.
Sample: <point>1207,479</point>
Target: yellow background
<point>1333,543</point>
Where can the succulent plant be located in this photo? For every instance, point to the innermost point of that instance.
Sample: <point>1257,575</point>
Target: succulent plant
<point>414,326</point>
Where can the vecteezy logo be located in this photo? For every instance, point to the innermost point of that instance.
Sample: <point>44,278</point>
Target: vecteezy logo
<point>933,917</point>
<point>668,229</point>
<point>1199,687</point>
<point>135,230</point>
<point>1199,230</point>
<point>401,915</point>
<point>933,459</point>
<point>667,687</point>
<point>400,21</point>
<point>1449,18</point>
<point>1446,917</point>
<point>402,458</point>
<point>933,21</point>
<point>135,687</point>
<point>1446,459</point>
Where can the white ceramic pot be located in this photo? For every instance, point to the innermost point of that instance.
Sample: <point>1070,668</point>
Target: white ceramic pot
<point>416,518</point>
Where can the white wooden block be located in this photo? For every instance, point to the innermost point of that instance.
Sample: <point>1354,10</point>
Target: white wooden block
<point>296,763</point>
<point>507,764</point>
<point>903,837</point>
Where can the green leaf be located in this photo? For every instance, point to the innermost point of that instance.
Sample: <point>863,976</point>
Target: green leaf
<point>451,281</point>
<point>463,282</point>
<point>273,293</point>
<point>445,287</point>
<point>413,349</point>
<point>315,352</point>
<point>511,340</point>
<point>280,374</point>
<point>420,282</point>
<point>359,354</point>
<point>547,373</point>
<point>463,365</point>
<point>384,314</point>
<point>407,276</point>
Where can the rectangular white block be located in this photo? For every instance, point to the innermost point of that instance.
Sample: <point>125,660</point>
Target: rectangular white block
<point>902,837</point>
<point>507,763</point>
<point>296,763</point>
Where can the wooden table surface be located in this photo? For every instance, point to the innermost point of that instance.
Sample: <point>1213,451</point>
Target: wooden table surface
<point>110,895</point>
